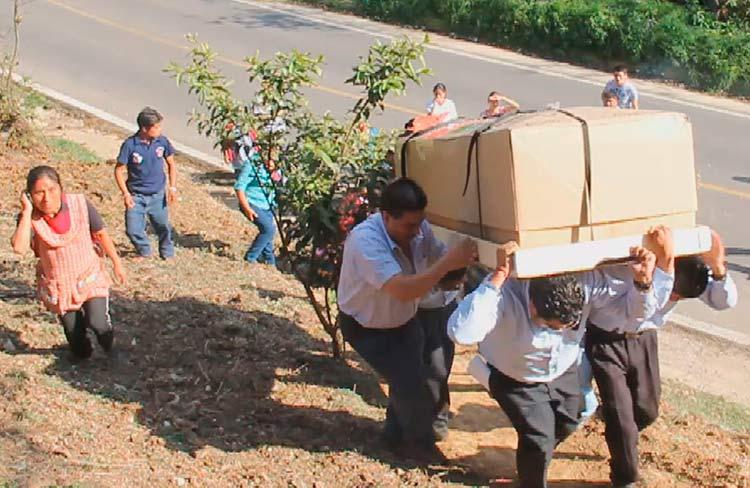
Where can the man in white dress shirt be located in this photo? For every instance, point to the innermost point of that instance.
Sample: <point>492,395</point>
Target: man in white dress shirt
<point>392,260</point>
<point>530,331</point>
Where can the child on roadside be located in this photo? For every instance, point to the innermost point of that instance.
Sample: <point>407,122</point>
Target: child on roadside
<point>610,100</point>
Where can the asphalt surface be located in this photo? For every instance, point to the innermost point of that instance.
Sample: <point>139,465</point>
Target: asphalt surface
<point>110,54</point>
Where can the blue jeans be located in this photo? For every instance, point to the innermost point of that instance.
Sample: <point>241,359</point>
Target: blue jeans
<point>261,250</point>
<point>155,207</point>
<point>586,377</point>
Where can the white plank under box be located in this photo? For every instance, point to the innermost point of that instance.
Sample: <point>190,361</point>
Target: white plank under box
<point>582,256</point>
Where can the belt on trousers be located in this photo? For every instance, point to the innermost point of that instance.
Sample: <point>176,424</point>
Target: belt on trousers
<point>597,334</point>
<point>354,323</point>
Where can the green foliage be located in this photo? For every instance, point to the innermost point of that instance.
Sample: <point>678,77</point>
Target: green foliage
<point>705,49</point>
<point>334,169</point>
<point>65,150</point>
<point>715,409</point>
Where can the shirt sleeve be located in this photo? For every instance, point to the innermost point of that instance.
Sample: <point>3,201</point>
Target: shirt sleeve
<point>453,112</point>
<point>634,92</point>
<point>96,223</point>
<point>124,156</point>
<point>245,177</point>
<point>168,148</point>
<point>435,248</point>
<point>720,295</point>
<point>476,315</point>
<point>373,260</point>
<point>621,298</point>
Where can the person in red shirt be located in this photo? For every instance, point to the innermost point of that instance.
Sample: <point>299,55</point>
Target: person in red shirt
<point>67,236</point>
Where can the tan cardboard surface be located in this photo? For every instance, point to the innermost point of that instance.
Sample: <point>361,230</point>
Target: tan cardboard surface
<point>532,175</point>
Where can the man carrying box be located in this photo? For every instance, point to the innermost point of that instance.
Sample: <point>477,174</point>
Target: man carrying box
<point>385,272</point>
<point>434,310</point>
<point>529,332</point>
<point>624,352</point>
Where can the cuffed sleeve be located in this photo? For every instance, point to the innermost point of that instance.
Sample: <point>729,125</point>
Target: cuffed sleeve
<point>476,315</point>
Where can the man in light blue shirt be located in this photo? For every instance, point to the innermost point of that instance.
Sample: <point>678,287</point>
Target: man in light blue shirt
<point>529,332</point>
<point>624,352</point>
<point>390,261</point>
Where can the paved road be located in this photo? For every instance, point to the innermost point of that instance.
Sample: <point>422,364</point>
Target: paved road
<point>109,54</point>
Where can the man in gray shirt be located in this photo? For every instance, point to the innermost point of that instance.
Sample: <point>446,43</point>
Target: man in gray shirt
<point>529,332</point>
<point>392,260</point>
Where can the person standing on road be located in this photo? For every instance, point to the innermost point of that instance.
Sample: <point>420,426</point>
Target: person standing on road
<point>65,232</point>
<point>441,106</point>
<point>624,352</point>
<point>620,85</point>
<point>140,176</point>
<point>385,272</point>
<point>529,332</point>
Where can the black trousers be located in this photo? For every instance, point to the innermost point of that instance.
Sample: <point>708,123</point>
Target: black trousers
<point>626,370</point>
<point>398,356</point>
<point>94,315</point>
<point>543,414</point>
<point>439,351</point>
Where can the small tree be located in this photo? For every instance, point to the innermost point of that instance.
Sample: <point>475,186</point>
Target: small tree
<point>13,122</point>
<point>334,168</point>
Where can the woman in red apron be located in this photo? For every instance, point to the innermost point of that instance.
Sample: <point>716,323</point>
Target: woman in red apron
<point>67,235</point>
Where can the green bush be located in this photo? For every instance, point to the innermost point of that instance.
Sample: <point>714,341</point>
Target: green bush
<point>685,43</point>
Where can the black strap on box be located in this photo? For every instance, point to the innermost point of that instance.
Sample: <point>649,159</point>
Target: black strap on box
<point>474,151</point>
<point>587,162</point>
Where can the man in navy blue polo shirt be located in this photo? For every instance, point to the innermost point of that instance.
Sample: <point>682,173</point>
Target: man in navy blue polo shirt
<point>144,191</point>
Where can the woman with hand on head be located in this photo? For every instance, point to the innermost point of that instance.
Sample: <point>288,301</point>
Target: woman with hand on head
<point>66,233</point>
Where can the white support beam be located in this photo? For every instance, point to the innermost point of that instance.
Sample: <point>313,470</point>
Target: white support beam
<point>544,261</point>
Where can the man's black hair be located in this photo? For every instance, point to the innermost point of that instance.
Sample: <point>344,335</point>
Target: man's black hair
<point>403,195</point>
<point>620,68</point>
<point>690,276</point>
<point>148,117</point>
<point>558,298</point>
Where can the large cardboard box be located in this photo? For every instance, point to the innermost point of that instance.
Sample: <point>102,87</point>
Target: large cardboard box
<point>558,176</point>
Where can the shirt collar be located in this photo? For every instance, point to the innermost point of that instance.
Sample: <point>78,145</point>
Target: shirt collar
<point>140,140</point>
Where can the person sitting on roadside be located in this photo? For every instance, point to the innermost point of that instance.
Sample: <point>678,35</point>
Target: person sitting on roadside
<point>610,100</point>
<point>620,85</point>
<point>441,105</point>
<point>66,232</point>
<point>498,105</point>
